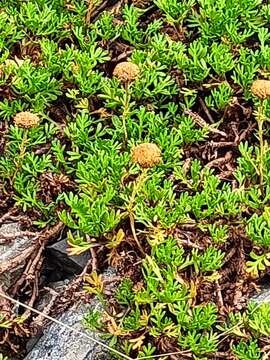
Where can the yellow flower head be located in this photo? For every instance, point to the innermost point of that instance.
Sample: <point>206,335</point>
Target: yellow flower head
<point>26,119</point>
<point>261,89</point>
<point>126,71</point>
<point>146,155</point>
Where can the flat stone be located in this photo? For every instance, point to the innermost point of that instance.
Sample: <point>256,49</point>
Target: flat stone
<point>57,254</point>
<point>45,298</point>
<point>9,250</point>
<point>59,342</point>
<point>263,296</point>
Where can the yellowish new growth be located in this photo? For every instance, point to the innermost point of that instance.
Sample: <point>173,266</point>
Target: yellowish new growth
<point>126,71</point>
<point>261,89</point>
<point>26,119</point>
<point>146,155</point>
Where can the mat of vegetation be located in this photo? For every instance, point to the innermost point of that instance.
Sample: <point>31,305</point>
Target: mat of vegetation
<point>141,126</point>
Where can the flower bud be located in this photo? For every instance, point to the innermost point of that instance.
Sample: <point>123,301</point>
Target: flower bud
<point>26,119</point>
<point>261,89</point>
<point>146,155</point>
<point>126,71</point>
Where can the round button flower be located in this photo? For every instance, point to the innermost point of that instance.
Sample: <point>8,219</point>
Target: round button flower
<point>26,119</point>
<point>126,71</point>
<point>146,155</point>
<point>261,89</point>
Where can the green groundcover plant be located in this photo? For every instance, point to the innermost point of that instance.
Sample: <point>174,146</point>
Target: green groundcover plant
<point>191,233</point>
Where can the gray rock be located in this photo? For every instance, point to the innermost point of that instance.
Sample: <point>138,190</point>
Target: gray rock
<point>59,342</point>
<point>45,298</point>
<point>263,296</point>
<point>47,295</point>
<point>9,250</point>
<point>69,264</point>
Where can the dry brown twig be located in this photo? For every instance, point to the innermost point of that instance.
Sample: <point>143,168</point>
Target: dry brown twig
<point>38,322</point>
<point>229,255</point>
<point>219,297</point>
<point>202,123</point>
<point>225,174</point>
<point>33,298</point>
<point>94,259</point>
<point>188,243</point>
<point>220,161</point>
<point>205,109</point>
<point>122,56</point>
<point>8,237</point>
<point>70,328</point>
<point>23,256</point>
<point>222,144</point>
<point>246,132</point>
<point>11,217</point>
<point>93,8</point>
<point>32,271</point>
<point>4,304</point>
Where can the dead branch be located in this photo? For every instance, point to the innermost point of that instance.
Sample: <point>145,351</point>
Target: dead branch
<point>4,304</point>
<point>40,239</point>
<point>8,237</point>
<point>38,321</point>
<point>246,132</point>
<point>122,56</point>
<point>229,255</point>
<point>205,109</point>
<point>189,243</point>
<point>202,123</point>
<point>94,259</point>
<point>7,216</point>
<point>33,298</point>
<point>220,161</point>
<point>220,302</point>
<point>225,174</point>
<point>12,263</point>
<point>222,144</point>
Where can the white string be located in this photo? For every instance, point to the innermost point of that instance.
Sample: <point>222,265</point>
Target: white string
<point>66,326</point>
<point>100,342</point>
<point>86,335</point>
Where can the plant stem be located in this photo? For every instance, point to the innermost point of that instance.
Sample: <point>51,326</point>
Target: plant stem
<point>260,121</point>
<point>141,179</point>
<point>21,155</point>
<point>125,112</point>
